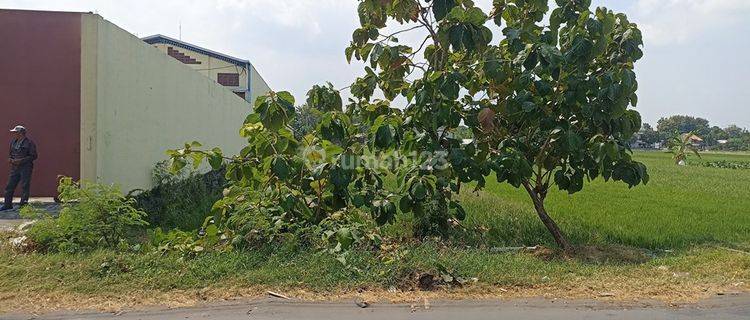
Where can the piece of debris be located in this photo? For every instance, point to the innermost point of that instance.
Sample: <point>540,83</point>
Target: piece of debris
<point>18,242</point>
<point>606,294</point>
<point>735,250</point>
<point>511,249</point>
<point>278,295</point>
<point>426,281</point>
<point>680,274</point>
<point>361,303</point>
<point>392,289</point>
<point>663,268</point>
<point>426,304</point>
<point>23,226</point>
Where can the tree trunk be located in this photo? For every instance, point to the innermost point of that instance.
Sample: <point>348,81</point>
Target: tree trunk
<point>552,227</point>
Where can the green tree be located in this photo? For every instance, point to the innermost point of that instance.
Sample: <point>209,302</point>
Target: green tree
<point>714,135</point>
<point>683,124</point>
<point>741,143</point>
<point>305,121</point>
<point>548,104</point>
<point>649,135</point>
<point>733,131</point>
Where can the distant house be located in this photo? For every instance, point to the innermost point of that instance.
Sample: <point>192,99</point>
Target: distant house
<point>239,75</point>
<point>695,140</point>
<point>637,142</point>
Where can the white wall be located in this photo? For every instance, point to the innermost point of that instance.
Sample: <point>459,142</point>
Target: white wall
<point>148,102</point>
<point>258,85</point>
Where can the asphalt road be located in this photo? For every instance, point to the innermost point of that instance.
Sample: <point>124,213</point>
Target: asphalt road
<point>724,307</point>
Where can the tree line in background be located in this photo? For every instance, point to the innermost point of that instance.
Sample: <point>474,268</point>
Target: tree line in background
<point>731,138</point>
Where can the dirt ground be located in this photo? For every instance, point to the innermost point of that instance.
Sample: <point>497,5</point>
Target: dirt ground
<point>730,307</point>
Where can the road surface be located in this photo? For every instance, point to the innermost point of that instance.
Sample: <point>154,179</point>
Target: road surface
<point>724,307</point>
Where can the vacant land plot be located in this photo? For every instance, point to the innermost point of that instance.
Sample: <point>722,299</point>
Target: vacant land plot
<point>680,207</point>
<point>685,236</point>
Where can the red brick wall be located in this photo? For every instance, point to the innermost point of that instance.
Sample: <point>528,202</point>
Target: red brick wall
<point>229,79</point>
<point>40,88</point>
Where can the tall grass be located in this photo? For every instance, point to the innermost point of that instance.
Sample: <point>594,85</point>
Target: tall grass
<point>181,201</point>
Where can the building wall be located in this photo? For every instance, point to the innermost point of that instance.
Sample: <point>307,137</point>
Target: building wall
<point>148,102</point>
<point>40,88</point>
<point>211,67</point>
<point>258,85</point>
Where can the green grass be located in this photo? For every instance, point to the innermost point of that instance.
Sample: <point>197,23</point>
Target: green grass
<point>680,207</point>
<point>694,211</point>
<point>34,281</point>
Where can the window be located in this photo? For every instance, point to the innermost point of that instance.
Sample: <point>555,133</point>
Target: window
<point>229,79</point>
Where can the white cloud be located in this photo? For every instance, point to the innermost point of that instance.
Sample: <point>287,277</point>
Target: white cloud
<point>299,14</point>
<point>692,61</point>
<point>666,22</point>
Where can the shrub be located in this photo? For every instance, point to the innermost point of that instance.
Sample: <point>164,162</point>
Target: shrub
<point>93,216</point>
<point>306,190</point>
<point>180,200</point>
<point>724,164</point>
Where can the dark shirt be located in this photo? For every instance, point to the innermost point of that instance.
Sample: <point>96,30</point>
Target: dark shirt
<point>23,149</point>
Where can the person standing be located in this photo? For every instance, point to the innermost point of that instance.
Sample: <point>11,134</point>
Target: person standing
<point>22,156</point>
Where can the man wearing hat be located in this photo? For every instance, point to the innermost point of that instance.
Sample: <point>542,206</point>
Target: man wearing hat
<point>22,156</point>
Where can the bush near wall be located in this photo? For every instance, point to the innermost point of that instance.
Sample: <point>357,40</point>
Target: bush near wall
<point>93,216</point>
<point>183,200</point>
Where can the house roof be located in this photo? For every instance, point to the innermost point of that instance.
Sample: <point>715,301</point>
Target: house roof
<point>694,137</point>
<point>158,38</point>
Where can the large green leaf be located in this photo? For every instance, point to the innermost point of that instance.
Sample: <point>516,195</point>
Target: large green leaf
<point>440,8</point>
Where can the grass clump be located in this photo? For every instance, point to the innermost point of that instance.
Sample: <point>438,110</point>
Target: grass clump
<point>181,200</point>
<point>93,216</point>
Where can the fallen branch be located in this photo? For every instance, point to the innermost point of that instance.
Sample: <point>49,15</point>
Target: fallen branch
<point>278,295</point>
<point>511,249</point>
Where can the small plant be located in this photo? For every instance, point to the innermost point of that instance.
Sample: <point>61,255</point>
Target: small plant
<point>209,238</point>
<point>93,216</point>
<point>724,164</point>
<point>33,213</point>
<point>681,145</point>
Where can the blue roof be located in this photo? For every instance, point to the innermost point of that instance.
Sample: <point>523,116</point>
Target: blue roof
<point>158,38</point>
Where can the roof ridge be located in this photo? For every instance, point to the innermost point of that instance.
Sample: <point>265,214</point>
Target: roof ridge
<point>160,38</point>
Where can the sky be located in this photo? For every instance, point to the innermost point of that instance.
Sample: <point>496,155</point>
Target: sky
<point>696,53</point>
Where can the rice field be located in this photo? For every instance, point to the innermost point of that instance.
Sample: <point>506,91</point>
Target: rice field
<point>682,206</point>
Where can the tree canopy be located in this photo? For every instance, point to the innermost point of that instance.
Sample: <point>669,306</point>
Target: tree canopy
<point>683,124</point>
<point>549,103</point>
